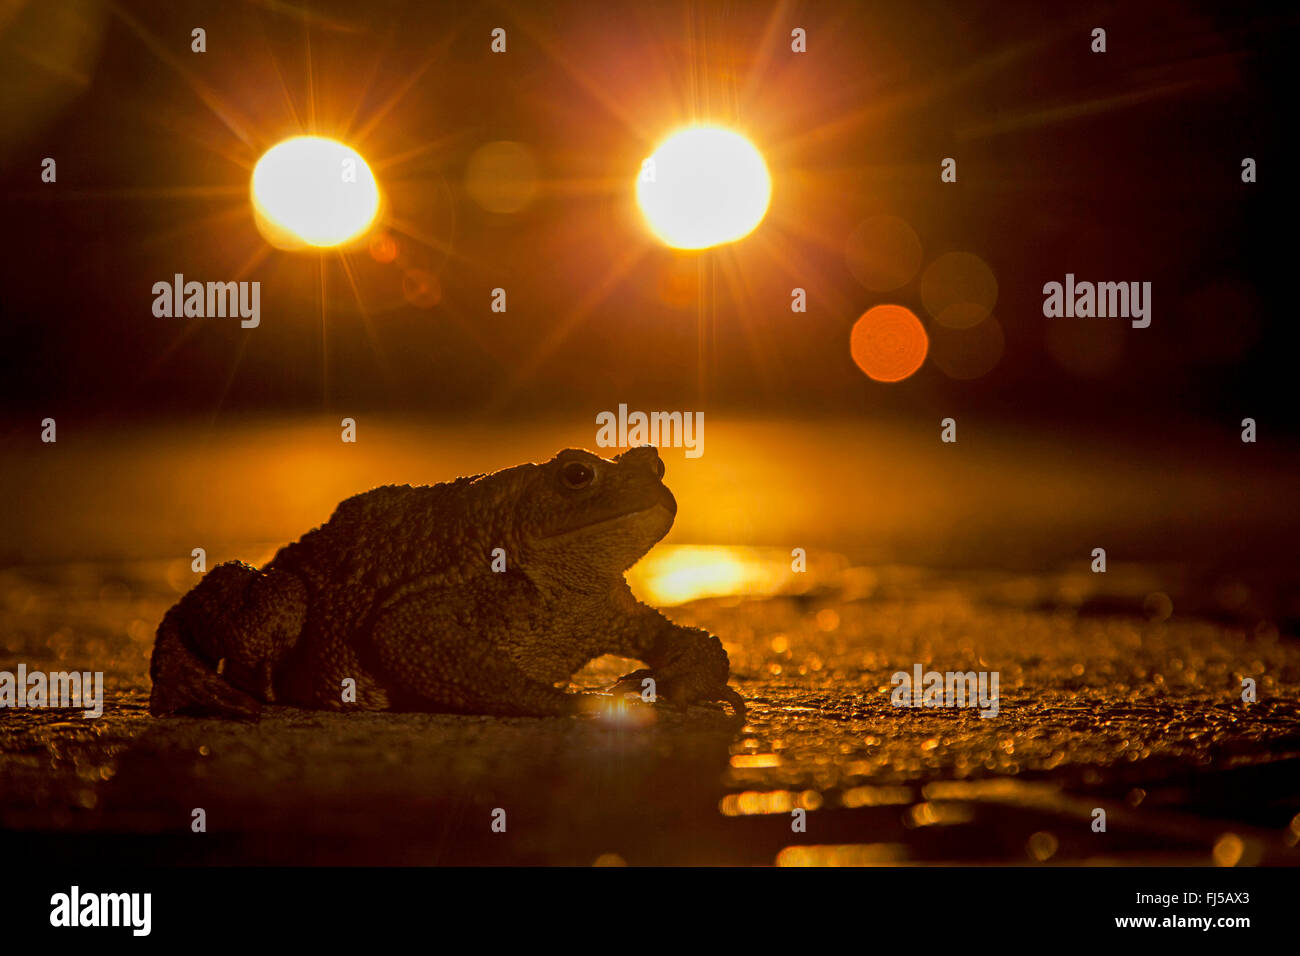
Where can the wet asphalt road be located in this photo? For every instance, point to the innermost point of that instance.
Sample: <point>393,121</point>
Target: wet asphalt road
<point>1109,699</point>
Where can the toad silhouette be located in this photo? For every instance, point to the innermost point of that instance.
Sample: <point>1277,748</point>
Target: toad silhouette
<point>404,591</point>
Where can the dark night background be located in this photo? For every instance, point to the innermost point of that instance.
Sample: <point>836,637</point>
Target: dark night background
<point>1122,166</point>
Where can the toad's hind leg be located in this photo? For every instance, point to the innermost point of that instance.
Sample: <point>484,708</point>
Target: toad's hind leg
<point>217,648</point>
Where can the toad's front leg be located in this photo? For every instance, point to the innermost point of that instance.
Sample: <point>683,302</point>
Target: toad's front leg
<point>687,664</point>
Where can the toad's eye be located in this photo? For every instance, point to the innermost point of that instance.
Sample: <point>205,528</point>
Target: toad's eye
<point>577,475</point>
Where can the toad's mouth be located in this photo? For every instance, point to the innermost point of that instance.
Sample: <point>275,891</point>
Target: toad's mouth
<point>669,507</point>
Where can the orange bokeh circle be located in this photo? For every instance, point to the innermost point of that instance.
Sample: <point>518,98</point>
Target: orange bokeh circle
<point>422,289</point>
<point>889,343</point>
<point>383,247</point>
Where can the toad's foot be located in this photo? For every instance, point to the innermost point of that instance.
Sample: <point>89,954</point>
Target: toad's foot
<point>680,688</point>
